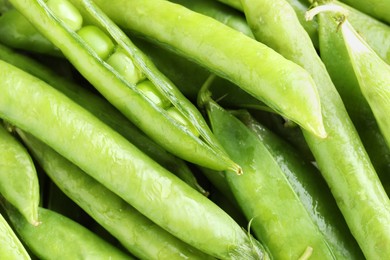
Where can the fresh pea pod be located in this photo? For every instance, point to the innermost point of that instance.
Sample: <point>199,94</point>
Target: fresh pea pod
<point>112,77</point>
<point>18,177</point>
<point>341,158</point>
<point>375,33</point>
<point>379,9</point>
<point>139,235</point>
<point>254,67</point>
<point>336,59</point>
<point>299,7</point>
<point>311,189</point>
<point>373,75</point>
<point>10,247</point>
<point>265,194</point>
<point>220,12</point>
<point>105,112</point>
<point>17,31</point>
<point>58,237</point>
<point>35,107</point>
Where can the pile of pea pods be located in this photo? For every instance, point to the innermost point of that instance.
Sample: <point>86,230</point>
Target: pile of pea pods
<point>195,129</point>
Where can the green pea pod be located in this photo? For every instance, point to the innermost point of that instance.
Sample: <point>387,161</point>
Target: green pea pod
<point>220,12</point>
<point>336,59</point>
<point>105,112</point>
<point>10,247</point>
<point>260,71</point>
<point>341,158</point>
<point>16,31</point>
<point>124,95</point>
<point>58,237</point>
<point>139,235</point>
<point>299,7</point>
<point>73,132</point>
<point>375,33</point>
<point>18,177</point>
<point>379,9</point>
<point>373,75</point>
<point>311,189</point>
<point>265,194</point>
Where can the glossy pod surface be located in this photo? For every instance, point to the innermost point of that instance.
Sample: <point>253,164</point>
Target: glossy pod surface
<point>154,121</point>
<point>254,67</point>
<point>35,107</point>
<point>139,235</point>
<point>18,176</point>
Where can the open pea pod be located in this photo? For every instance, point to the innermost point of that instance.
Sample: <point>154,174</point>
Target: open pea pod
<point>281,84</point>
<point>113,70</point>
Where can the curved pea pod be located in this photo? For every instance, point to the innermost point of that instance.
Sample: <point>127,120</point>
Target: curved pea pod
<point>311,189</point>
<point>17,32</point>
<point>58,237</point>
<point>336,59</point>
<point>254,67</point>
<point>379,9</point>
<point>300,8</point>
<point>264,193</point>
<point>341,158</point>
<point>373,75</point>
<point>35,107</point>
<point>135,232</point>
<point>374,32</point>
<point>105,112</point>
<point>10,247</point>
<point>101,68</point>
<point>18,177</point>
<point>220,12</point>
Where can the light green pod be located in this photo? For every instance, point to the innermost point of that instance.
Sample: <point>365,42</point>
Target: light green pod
<point>18,177</point>
<point>373,75</point>
<point>58,237</point>
<point>10,246</point>
<point>134,231</point>
<point>108,157</point>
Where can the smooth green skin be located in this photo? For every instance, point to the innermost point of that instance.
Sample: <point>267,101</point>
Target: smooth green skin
<point>66,12</point>
<point>16,31</point>
<point>151,119</point>
<point>341,157</point>
<point>10,247</point>
<point>139,235</point>
<point>188,110</point>
<point>220,12</point>
<point>180,70</point>
<point>108,157</point>
<point>18,177</point>
<point>97,40</point>
<point>58,237</point>
<point>336,59</point>
<point>299,7</point>
<point>379,9</point>
<point>373,75</point>
<point>264,193</point>
<point>376,33</point>
<point>254,67</point>
<point>311,189</point>
<point>105,112</point>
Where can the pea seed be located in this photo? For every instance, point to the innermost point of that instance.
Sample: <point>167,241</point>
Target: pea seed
<point>174,113</point>
<point>97,40</point>
<point>125,66</point>
<point>67,12</point>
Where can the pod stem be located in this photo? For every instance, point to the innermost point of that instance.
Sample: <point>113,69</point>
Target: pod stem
<point>341,12</point>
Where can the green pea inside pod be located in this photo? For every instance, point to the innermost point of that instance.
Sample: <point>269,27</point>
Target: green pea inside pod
<point>150,91</point>
<point>175,114</point>
<point>124,65</point>
<point>67,12</point>
<point>97,40</point>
